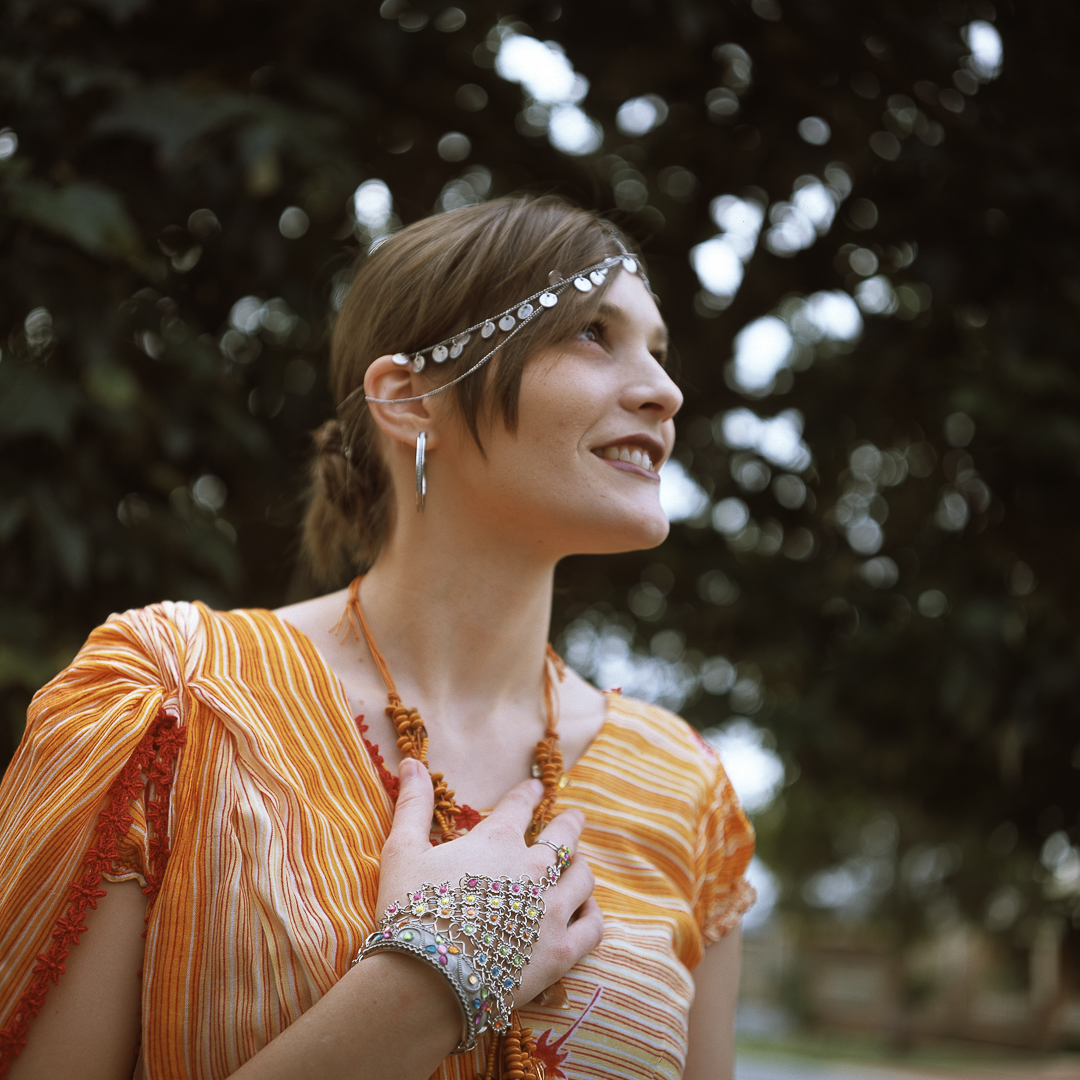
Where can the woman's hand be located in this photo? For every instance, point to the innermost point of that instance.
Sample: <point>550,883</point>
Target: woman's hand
<point>572,925</point>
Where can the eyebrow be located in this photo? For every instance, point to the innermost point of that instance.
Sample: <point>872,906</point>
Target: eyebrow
<point>660,335</point>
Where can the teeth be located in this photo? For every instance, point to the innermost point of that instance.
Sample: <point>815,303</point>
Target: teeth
<point>630,454</point>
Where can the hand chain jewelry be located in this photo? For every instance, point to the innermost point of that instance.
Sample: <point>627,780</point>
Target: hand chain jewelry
<point>479,937</point>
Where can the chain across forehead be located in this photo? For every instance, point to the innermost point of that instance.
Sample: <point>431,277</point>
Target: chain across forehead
<point>508,323</point>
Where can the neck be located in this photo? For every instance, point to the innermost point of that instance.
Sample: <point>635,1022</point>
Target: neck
<point>462,623</point>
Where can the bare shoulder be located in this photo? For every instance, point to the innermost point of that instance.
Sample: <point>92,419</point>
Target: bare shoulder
<point>311,616</point>
<point>317,619</point>
<point>582,712</point>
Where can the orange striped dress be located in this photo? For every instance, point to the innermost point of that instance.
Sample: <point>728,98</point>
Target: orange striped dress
<point>213,757</point>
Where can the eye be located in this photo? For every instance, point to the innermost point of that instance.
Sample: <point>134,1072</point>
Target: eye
<point>593,332</point>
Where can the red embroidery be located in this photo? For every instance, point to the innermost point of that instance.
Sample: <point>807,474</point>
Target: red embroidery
<point>389,780</point>
<point>466,819</point>
<point>154,756</point>
<point>552,1054</point>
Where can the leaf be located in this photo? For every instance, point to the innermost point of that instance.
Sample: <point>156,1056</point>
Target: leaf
<point>31,404</point>
<point>118,10</point>
<point>68,539</point>
<point>171,118</point>
<point>27,668</point>
<point>88,214</point>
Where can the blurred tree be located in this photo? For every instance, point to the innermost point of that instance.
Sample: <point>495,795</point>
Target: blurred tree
<point>880,499</point>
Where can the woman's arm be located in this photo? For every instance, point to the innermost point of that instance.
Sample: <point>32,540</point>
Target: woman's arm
<point>89,1025</point>
<point>711,1055</point>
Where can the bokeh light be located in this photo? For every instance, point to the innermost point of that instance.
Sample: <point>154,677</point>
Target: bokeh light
<point>809,213</point>
<point>553,90</point>
<point>541,68</point>
<point>450,20</point>
<point>293,223</point>
<point>372,206</point>
<point>762,348</point>
<point>454,146</point>
<point>987,51</point>
<point>755,771</point>
<point>573,132</point>
<point>876,296</point>
<point>681,496</point>
<point>814,130</point>
<point>719,262</point>
<point>730,516</point>
<point>471,97</point>
<point>640,115</point>
<point>932,603</point>
<point>778,440</point>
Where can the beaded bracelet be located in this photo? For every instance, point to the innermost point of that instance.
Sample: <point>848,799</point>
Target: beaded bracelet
<point>479,936</point>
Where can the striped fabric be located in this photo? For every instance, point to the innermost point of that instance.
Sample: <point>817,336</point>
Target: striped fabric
<point>226,737</point>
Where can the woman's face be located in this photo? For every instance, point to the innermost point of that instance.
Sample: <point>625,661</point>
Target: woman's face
<point>580,474</point>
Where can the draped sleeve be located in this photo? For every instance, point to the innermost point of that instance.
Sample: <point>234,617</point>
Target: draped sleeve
<point>725,847</point>
<point>86,798</point>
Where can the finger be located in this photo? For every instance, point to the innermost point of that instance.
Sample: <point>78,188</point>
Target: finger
<point>564,829</point>
<point>572,890</point>
<point>587,929</point>
<point>415,805</point>
<point>515,808</point>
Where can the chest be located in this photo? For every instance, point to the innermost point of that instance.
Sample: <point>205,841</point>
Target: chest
<point>481,761</point>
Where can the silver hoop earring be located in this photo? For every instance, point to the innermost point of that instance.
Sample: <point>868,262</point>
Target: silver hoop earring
<point>421,475</point>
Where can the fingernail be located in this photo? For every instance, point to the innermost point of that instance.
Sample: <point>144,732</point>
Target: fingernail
<point>407,769</point>
<point>536,787</point>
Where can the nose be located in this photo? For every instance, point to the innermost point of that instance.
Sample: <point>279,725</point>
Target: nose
<point>654,392</point>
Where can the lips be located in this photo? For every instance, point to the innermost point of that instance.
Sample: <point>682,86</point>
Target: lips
<point>630,454</point>
<point>638,451</point>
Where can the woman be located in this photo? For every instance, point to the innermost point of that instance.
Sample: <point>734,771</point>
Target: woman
<point>229,778</point>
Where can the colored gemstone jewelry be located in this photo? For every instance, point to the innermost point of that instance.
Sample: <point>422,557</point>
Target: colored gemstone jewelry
<point>478,936</point>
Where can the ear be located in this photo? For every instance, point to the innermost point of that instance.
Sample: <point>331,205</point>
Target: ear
<point>404,422</point>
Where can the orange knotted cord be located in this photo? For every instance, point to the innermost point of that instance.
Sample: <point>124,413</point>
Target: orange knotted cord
<point>518,1060</point>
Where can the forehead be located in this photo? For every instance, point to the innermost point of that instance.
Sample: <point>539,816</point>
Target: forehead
<point>627,301</point>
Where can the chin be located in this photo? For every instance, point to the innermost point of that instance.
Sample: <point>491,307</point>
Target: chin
<point>637,533</point>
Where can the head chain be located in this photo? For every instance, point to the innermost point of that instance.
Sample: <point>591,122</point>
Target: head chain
<point>510,322</point>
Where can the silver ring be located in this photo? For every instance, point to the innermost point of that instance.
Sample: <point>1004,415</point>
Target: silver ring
<point>563,858</point>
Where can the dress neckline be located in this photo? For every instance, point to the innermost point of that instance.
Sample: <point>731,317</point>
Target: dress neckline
<point>354,723</point>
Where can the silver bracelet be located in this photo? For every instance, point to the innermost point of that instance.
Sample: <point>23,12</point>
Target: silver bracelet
<point>449,959</point>
<point>479,936</point>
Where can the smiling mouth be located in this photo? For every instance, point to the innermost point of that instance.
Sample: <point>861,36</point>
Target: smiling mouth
<point>632,455</point>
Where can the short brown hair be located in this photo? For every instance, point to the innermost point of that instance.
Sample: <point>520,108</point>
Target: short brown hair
<point>426,283</point>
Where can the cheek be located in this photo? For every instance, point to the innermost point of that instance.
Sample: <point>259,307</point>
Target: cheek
<point>560,405</point>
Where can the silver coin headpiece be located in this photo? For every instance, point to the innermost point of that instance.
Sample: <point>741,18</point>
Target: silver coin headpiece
<point>507,323</point>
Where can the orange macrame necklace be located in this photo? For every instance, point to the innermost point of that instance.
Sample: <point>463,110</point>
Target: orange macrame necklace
<point>518,1058</point>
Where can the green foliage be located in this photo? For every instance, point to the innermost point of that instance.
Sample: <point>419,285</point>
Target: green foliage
<point>152,449</point>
